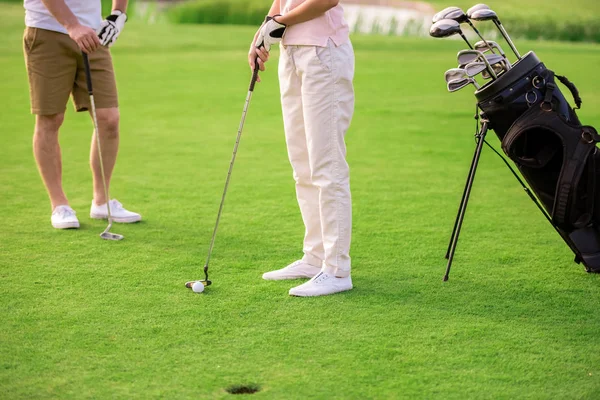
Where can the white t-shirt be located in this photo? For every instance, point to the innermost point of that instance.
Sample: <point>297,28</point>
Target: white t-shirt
<point>88,12</point>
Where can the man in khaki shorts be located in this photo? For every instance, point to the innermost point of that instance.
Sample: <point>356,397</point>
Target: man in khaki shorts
<point>56,33</point>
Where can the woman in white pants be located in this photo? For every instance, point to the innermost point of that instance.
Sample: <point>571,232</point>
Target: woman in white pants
<point>316,68</point>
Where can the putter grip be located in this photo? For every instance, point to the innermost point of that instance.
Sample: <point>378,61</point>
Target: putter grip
<point>88,74</point>
<point>254,75</point>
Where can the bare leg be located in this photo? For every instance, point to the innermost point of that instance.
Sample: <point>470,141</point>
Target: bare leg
<point>46,150</point>
<point>108,128</point>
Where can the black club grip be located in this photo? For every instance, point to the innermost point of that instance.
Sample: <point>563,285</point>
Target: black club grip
<point>88,74</point>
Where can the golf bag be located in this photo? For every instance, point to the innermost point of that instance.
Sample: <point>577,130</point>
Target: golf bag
<point>554,152</point>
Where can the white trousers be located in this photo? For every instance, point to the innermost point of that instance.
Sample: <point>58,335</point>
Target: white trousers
<point>317,99</point>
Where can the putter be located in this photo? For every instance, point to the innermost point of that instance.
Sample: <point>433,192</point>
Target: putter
<point>469,56</point>
<point>206,281</point>
<point>485,46</point>
<point>107,234</point>
<point>447,27</point>
<point>459,16</point>
<point>489,15</point>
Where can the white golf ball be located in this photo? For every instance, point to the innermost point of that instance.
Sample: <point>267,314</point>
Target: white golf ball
<point>198,287</point>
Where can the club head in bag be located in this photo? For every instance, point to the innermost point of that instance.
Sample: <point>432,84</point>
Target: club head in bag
<point>453,13</point>
<point>455,73</point>
<point>461,83</point>
<point>465,57</point>
<point>477,7</point>
<point>487,14</point>
<point>483,47</point>
<point>445,28</point>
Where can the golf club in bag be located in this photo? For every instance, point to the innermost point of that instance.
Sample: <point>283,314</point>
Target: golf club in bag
<point>552,150</point>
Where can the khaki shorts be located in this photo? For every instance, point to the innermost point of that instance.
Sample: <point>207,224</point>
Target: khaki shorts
<point>55,69</point>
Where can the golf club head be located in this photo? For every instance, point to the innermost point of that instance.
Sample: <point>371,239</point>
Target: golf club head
<point>483,47</point>
<point>454,73</point>
<point>111,236</point>
<point>498,68</point>
<point>476,7</point>
<point>458,84</point>
<point>191,283</point>
<point>453,13</point>
<point>444,28</point>
<point>465,57</point>
<point>484,14</point>
<point>475,68</point>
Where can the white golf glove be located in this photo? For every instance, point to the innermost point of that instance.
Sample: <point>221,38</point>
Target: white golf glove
<point>270,33</point>
<point>111,28</point>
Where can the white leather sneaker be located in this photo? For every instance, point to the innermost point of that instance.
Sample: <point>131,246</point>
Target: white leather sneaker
<point>63,217</point>
<point>117,212</point>
<point>322,285</point>
<point>296,270</point>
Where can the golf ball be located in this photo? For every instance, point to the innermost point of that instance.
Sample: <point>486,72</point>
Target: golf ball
<point>198,287</point>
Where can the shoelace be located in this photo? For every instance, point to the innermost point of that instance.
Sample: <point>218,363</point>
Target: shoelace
<point>64,212</point>
<point>321,277</point>
<point>116,205</point>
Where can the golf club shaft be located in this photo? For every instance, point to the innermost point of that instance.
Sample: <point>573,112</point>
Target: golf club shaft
<point>479,34</point>
<point>507,38</point>
<point>235,148</point>
<point>88,78</point>
<point>462,35</point>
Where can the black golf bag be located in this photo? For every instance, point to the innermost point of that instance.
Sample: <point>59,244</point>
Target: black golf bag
<point>556,155</point>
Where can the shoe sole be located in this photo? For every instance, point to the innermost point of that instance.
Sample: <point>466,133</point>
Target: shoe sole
<point>285,278</point>
<point>319,294</point>
<point>122,220</point>
<point>65,225</point>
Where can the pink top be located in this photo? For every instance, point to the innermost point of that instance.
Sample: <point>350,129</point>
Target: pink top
<point>317,31</point>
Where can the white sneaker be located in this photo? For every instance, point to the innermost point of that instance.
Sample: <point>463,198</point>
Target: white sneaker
<point>63,217</point>
<point>117,212</point>
<point>296,270</point>
<point>321,285</point>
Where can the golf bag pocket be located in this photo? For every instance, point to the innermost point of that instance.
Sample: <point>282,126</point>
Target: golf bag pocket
<point>560,161</point>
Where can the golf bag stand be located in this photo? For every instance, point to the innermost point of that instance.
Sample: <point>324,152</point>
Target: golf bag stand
<point>462,208</point>
<point>555,154</point>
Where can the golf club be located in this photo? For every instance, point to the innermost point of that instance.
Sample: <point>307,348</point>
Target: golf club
<point>461,83</point>
<point>459,16</point>
<point>206,281</point>
<point>455,73</point>
<point>469,56</point>
<point>477,7</point>
<point>447,27</point>
<point>106,234</point>
<point>489,15</point>
<point>485,46</point>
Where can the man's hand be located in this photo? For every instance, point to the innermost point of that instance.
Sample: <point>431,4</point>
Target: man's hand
<point>111,28</point>
<point>270,33</point>
<point>85,37</point>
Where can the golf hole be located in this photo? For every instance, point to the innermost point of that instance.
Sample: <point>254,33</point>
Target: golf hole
<point>243,389</point>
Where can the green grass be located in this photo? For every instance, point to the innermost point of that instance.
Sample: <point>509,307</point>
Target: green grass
<point>83,318</point>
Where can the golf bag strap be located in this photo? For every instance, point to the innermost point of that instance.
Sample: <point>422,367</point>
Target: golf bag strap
<point>572,88</point>
<point>550,87</point>
<point>569,181</point>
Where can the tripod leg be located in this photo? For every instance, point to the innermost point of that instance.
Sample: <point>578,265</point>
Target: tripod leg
<point>463,208</point>
<point>462,200</point>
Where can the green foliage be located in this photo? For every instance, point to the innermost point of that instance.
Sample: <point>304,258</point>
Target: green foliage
<point>236,12</point>
<point>537,19</point>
